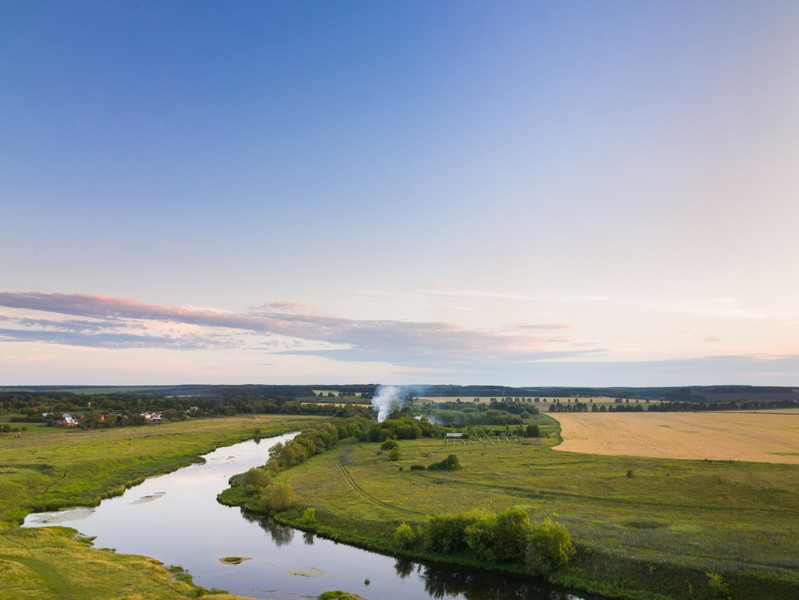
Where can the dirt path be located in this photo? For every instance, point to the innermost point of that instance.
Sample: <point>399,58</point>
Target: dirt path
<point>367,495</point>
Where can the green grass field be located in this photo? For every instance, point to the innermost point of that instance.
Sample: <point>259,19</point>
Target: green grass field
<point>49,468</point>
<point>51,563</point>
<point>640,523</point>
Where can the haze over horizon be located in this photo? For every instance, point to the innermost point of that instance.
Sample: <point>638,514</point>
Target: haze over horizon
<point>515,193</point>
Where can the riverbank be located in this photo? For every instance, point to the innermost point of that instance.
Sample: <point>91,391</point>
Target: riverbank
<point>53,468</point>
<point>48,469</point>
<point>644,528</point>
<point>56,563</point>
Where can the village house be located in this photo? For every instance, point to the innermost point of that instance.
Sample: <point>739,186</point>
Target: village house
<point>68,420</point>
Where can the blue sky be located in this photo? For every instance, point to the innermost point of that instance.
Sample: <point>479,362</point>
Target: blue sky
<point>520,193</point>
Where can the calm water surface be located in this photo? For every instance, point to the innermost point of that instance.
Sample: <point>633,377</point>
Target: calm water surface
<point>176,519</point>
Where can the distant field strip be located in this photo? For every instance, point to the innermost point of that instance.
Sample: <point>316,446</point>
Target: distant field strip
<point>541,404</point>
<point>763,436</point>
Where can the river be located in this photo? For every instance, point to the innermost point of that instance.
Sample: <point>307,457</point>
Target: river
<point>176,519</point>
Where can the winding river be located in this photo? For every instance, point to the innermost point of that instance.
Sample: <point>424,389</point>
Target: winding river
<point>176,519</point>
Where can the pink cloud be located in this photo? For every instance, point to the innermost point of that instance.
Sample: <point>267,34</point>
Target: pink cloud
<point>384,339</point>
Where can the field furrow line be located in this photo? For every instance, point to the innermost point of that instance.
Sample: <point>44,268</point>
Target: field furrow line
<point>367,495</point>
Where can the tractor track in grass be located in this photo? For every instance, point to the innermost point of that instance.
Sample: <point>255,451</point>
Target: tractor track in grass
<point>367,495</point>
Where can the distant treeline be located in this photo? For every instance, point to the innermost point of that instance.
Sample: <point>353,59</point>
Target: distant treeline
<point>695,393</point>
<point>709,393</point>
<point>100,410</point>
<point>722,405</point>
<point>662,406</point>
<point>209,400</point>
<point>216,391</point>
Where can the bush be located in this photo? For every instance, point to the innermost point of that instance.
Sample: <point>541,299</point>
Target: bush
<point>309,516</point>
<point>481,534</point>
<point>512,532</point>
<point>717,587</point>
<point>418,468</point>
<point>446,533</point>
<point>451,463</point>
<point>404,537</point>
<point>278,496</point>
<point>550,547</point>
<point>388,445</point>
<point>257,476</point>
<point>338,595</point>
<point>394,454</point>
<point>506,538</point>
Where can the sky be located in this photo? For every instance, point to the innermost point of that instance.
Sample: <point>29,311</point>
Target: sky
<point>520,193</point>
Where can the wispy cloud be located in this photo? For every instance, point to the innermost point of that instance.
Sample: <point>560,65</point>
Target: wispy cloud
<point>725,307</point>
<point>466,294</point>
<point>719,280</point>
<point>117,323</point>
<point>545,354</point>
<point>52,335</point>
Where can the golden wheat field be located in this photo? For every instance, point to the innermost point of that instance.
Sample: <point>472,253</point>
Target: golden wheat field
<point>762,436</point>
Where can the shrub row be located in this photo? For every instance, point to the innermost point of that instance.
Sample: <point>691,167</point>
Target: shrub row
<point>507,538</point>
<point>255,488</point>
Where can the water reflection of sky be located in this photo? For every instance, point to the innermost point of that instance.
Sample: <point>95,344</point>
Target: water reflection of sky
<point>176,519</point>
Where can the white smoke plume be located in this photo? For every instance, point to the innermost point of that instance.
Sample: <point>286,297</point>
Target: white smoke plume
<point>387,399</point>
<point>435,420</point>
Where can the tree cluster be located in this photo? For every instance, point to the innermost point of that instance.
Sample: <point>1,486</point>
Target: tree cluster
<point>402,428</point>
<point>255,488</point>
<point>451,414</point>
<point>312,441</point>
<point>451,463</point>
<point>507,538</point>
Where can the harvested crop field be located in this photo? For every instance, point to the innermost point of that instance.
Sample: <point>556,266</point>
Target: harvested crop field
<point>763,436</point>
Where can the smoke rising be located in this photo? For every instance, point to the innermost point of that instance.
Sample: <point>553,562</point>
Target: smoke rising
<point>387,399</point>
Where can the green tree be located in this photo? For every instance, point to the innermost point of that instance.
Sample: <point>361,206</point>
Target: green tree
<point>446,533</point>
<point>532,431</point>
<point>451,463</point>
<point>481,534</point>
<point>404,536</point>
<point>257,477</point>
<point>550,547</point>
<point>278,496</point>
<point>388,445</point>
<point>309,516</point>
<point>513,532</point>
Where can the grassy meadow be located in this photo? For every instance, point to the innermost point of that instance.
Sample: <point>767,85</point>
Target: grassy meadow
<point>640,523</point>
<point>51,468</point>
<point>53,563</point>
